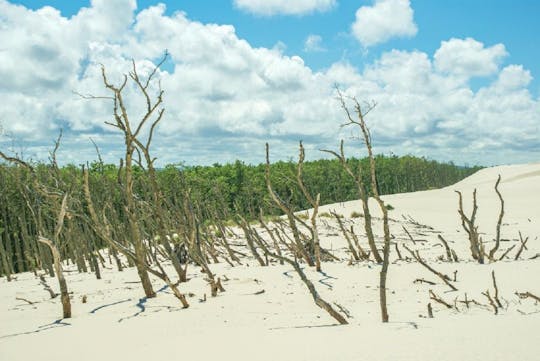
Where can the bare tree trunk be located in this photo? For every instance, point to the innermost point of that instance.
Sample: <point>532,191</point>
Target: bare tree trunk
<point>288,212</point>
<point>66,304</point>
<point>363,196</point>
<point>468,224</point>
<point>499,222</point>
<point>319,301</point>
<point>315,204</point>
<point>375,189</point>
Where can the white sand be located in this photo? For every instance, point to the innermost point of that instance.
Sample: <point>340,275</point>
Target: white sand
<point>284,324</point>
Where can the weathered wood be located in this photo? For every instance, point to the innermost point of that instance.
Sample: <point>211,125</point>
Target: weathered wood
<point>499,222</point>
<point>66,304</point>
<point>443,277</point>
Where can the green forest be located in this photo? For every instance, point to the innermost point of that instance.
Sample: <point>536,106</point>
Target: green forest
<point>31,197</point>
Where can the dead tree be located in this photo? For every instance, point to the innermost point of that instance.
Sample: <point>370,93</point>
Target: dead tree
<point>445,278</point>
<point>122,122</point>
<point>368,227</point>
<point>449,252</point>
<point>249,239</point>
<point>366,135</point>
<point>319,301</point>
<point>346,236</point>
<point>499,222</point>
<point>64,294</point>
<point>61,210</point>
<point>103,229</point>
<point>468,224</point>
<point>286,208</point>
<point>315,204</point>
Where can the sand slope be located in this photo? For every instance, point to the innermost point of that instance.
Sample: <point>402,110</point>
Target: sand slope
<point>283,323</point>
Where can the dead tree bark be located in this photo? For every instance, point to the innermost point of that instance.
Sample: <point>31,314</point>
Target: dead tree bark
<point>285,208</point>
<point>319,301</point>
<point>499,222</point>
<point>249,240</point>
<point>315,204</point>
<point>363,197</point>
<point>446,247</point>
<point>131,133</point>
<point>445,278</point>
<point>496,295</point>
<point>64,294</point>
<point>361,122</point>
<point>346,235</point>
<point>468,224</point>
<point>272,237</point>
<point>527,294</point>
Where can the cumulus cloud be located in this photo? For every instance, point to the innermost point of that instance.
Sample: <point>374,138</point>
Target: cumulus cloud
<point>224,98</point>
<point>468,57</point>
<point>284,7</point>
<point>385,20</point>
<point>313,43</point>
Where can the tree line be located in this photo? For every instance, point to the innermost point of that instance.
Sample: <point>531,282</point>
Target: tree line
<point>231,188</point>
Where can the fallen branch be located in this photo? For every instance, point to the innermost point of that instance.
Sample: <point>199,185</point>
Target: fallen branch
<point>522,247</point>
<point>527,294</point>
<point>445,278</point>
<point>437,299</point>
<point>312,290</point>
<point>421,280</point>
<point>25,300</point>
<point>46,286</point>
<point>506,252</point>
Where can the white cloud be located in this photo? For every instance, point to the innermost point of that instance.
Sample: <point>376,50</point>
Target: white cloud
<point>468,57</point>
<point>384,20</point>
<point>285,7</point>
<point>313,43</point>
<point>225,98</point>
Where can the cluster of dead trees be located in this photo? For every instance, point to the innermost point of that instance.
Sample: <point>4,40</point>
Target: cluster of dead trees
<point>72,216</point>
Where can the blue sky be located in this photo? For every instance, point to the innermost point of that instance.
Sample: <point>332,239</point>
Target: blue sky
<point>453,80</point>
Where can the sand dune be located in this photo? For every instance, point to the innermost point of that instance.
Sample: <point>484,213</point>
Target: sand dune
<point>282,323</point>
